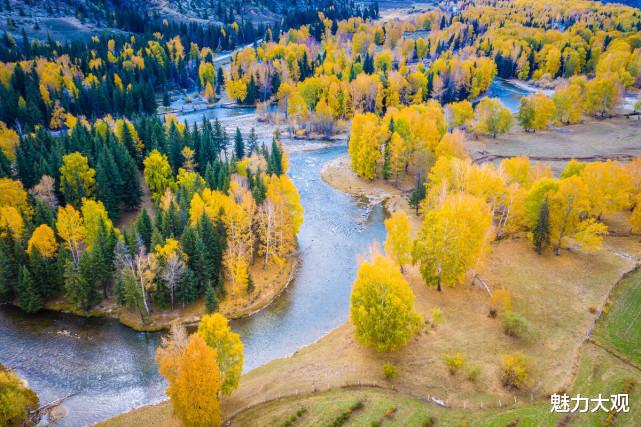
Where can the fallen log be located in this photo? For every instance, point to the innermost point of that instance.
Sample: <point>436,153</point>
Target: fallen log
<point>49,406</point>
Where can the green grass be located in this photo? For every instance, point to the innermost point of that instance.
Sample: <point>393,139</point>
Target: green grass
<point>620,328</point>
<point>599,372</point>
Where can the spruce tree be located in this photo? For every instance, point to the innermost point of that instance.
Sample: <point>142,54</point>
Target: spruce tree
<point>275,163</point>
<point>252,142</point>
<point>250,283</point>
<point>239,145</point>
<point>144,227</point>
<point>211,301</point>
<point>417,194</point>
<point>79,290</point>
<point>29,299</point>
<point>541,232</point>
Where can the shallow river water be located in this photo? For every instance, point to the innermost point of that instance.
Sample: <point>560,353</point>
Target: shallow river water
<point>112,368</point>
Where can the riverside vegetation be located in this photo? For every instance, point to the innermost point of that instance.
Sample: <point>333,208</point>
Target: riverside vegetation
<point>82,148</point>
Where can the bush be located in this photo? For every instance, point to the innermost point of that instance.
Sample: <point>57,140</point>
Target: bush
<point>514,324</point>
<point>501,300</point>
<point>473,373</point>
<point>356,406</point>
<point>514,370</point>
<point>389,371</point>
<point>430,421</point>
<point>437,316</point>
<point>454,363</point>
<point>16,399</point>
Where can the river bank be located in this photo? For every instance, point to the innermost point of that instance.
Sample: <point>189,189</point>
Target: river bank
<point>269,283</point>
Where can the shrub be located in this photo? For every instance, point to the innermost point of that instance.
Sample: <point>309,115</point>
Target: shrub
<point>454,362</point>
<point>391,412</point>
<point>356,406</point>
<point>501,300</point>
<point>430,421</point>
<point>514,324</point>
<point>592,309</point>
<point>389,371</point>
<point>514,370</point>
<point>437,316</point>
<point>473,373</point>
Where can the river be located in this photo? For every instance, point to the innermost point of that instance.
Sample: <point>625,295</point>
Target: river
<point>112,368</point>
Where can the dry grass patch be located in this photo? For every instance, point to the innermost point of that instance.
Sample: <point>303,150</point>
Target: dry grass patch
<point>592,138</point>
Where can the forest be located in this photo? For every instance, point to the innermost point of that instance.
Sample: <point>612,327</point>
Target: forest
<point>110,199</point>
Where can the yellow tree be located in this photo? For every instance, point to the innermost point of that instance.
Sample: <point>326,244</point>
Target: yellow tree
<point>279,219</point>
<point>602,95</point>
<point>382,306</point>
<point>568,103</point>
<point>238,216</point>
<point>71,229</point>
<point>11,223</point>
<point>8,141</point>
<point>452,239</point>
<point>568,204</point>
<point>12,193</point>
<point>452,145</point>
<point>460,113</point>
<point>94,213</point>
<point>194,381</point>
<point>77,179</point>
<point>365,145</point>
<point>491,117</point>
<point>158,174</point>
<point>535,112</point>
<point>398,244</point>
<point>610,187</point>
<point>215,330</point>
<point>43,240</point>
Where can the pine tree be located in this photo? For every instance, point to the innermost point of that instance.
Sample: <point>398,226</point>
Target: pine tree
<point>78,290</point>
<point>250,284</point>
<point>252,141</point>
<point>239,145</point>
<point>144,228</point>
<point>103,257</point>
<point>541,232</point>
<point>188,290</point>
<point>275,164</point>
<point>45,274</point>
<point>417,194</point>
<point>211,301</point>
<point>29,298</point>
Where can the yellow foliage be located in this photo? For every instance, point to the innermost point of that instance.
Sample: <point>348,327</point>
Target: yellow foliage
<point>381,306</point>
<point>11,221</point>
<point>398,244</point>
<point>194,382</point>
<point>215,330</point>
<point>44,240</point>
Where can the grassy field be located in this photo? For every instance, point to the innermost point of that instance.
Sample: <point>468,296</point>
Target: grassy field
<point>620,328</point>
<point>598,373</point>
